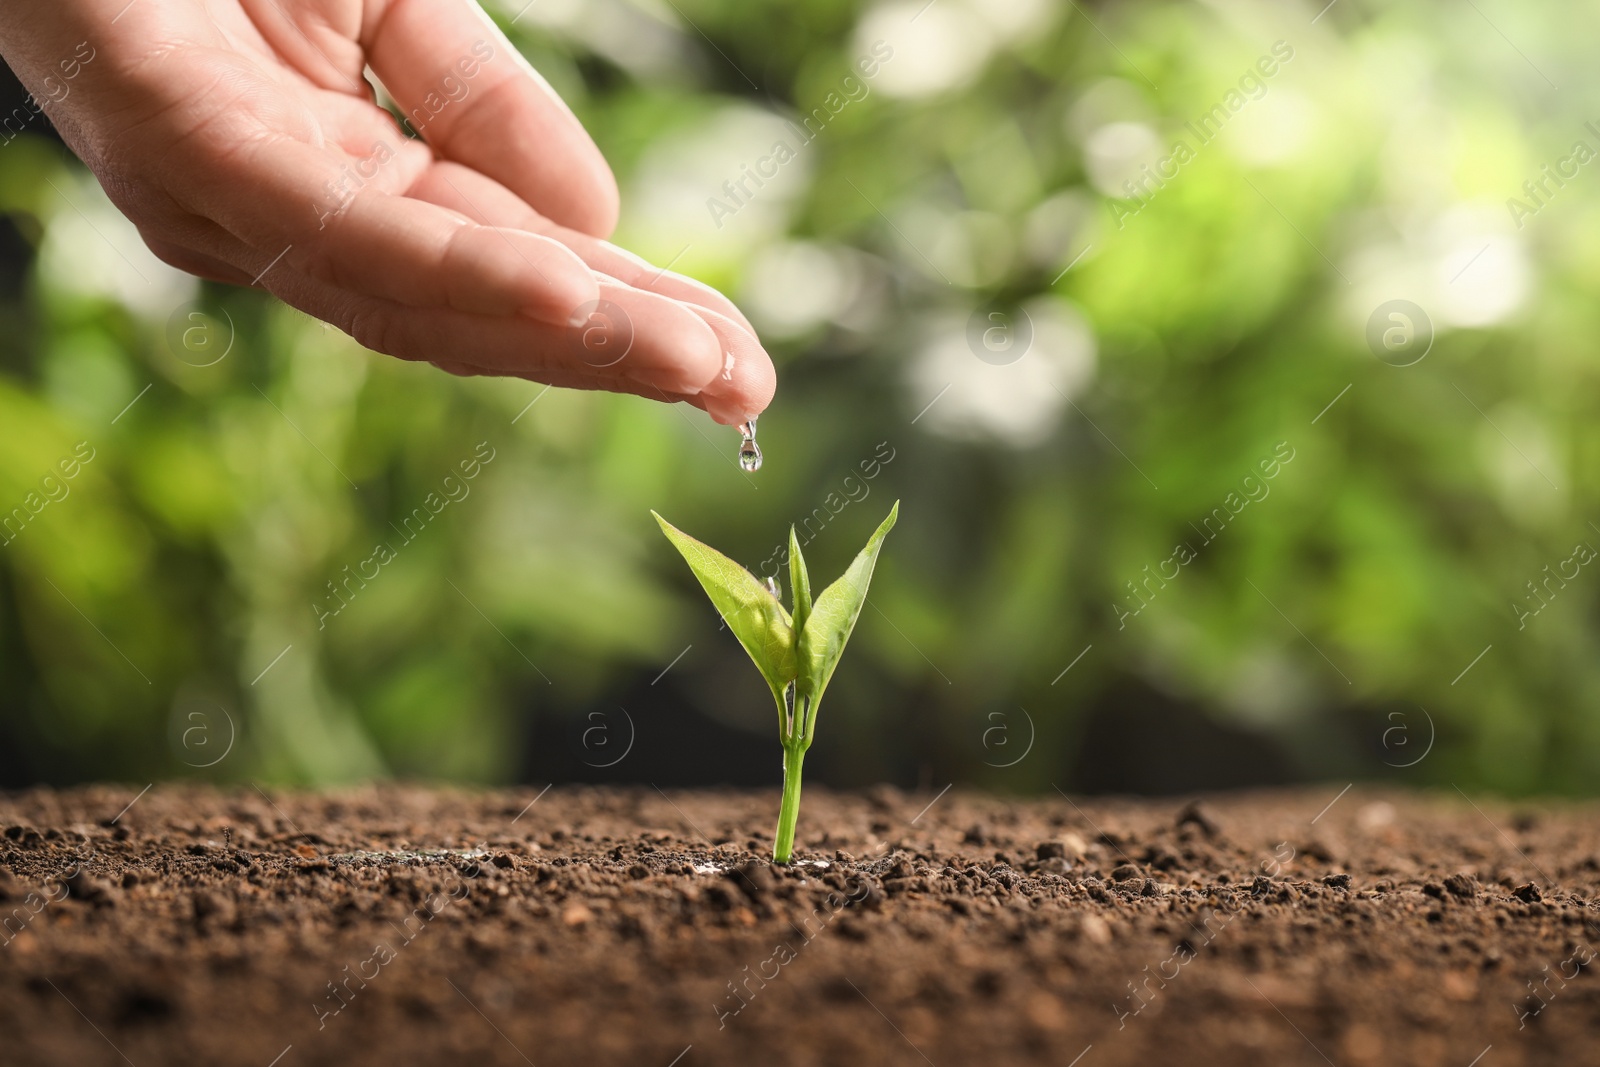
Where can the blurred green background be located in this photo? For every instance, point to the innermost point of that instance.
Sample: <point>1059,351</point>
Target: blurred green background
<point>157,610</point>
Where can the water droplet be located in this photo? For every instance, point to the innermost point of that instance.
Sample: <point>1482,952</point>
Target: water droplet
<point>749,451</point>
<point>775,589</point>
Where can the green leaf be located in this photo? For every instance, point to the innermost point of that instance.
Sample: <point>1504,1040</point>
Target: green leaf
<point>799,582</point>
<point>830,621</point>
<point>754,615</point>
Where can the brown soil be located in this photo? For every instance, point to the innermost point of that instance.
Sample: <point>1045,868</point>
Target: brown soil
<point>601,926</point>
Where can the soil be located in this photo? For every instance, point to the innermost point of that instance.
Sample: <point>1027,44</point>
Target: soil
<point>403,925</point>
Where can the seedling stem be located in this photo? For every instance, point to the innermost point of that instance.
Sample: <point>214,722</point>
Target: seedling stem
<point>796,653</point>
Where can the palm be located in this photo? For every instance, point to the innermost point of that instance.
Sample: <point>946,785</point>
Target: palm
<point>244,140</point>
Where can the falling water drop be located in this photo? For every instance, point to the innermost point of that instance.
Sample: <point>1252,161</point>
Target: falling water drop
<point>749,451</point>
<point>775,589</point>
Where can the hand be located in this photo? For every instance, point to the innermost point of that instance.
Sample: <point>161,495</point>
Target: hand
<point>242,140</point>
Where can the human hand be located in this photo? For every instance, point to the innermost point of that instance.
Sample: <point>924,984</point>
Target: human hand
<point>242,139</point>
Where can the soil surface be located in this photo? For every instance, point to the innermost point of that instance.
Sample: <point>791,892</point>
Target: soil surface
<point>400,925</point>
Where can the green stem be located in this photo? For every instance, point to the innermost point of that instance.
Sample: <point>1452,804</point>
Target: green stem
<point>789,811</point>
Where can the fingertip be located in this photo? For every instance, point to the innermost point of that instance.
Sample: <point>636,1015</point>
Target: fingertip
<point>747,380</point>
<point>747,394</point>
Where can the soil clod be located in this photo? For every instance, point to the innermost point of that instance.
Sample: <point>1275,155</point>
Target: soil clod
<point>1194,814</point>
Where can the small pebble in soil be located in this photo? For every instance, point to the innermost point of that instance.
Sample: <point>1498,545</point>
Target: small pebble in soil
<point>1462,885</point>
<point>1125,872</point>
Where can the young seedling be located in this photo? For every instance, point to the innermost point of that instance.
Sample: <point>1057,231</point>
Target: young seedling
<point>795,653</point>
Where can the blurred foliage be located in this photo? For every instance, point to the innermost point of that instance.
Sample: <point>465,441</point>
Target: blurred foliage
<point>170,585</point>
